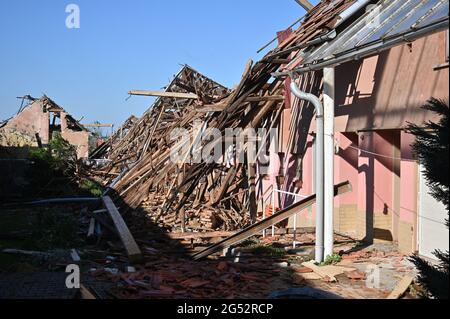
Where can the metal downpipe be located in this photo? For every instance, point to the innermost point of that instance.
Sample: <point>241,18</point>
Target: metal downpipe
<point>319,180</point>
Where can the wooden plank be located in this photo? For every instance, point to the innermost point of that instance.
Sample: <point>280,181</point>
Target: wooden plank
<point>401,288</point>
<point>100,219</point>
<point>221,107</point>
<point>133,251</point>
<point>211,108</point>
<point>207,235</point>
<point>200,195</point>
<point>74,255</point>
<point>218,234</point>
<point>182,212</point>
<point>330,271</point>
<point>86,294</point>
<point>271,221</point>
<point>100,211</point>
<point>91,231</point>
<point>268,98</point>
<point>253,206</point>
<point>98,125</point>
<point>176,95</point>
<point>305,4</point>
<point>226,183</point>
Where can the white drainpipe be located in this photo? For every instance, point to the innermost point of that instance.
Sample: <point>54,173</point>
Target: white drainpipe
<point>329,150</point>
<point>314,100</point>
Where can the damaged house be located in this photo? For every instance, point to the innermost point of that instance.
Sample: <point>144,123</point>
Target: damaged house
<point>373,68</point>
<point>36,123</point>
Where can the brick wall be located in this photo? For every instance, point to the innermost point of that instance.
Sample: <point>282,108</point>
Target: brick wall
<point>406,237</point>
<point>346,219</point>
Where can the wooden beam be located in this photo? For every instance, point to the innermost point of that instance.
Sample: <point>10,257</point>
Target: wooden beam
<point>221,107</point>
<point>251,178</point>
<point>134,253</point>
<point>401,288</point>
<point>271,221</point>
<point>278,98</point>
<point>211,108</point>
<point>226,184</point>
<point>98,125</point>
<point>175,95</point>
<point>279,61</point>
<point>305,4</point>
<point>99,218</point>
<point>91,231</point>
<point>100,211</point>
<point>252,192</point>
<point>86,294</point>
<point>207,235</point>
<point>182,212</point>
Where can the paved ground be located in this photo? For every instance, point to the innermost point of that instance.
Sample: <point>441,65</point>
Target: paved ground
<point>382,266</point>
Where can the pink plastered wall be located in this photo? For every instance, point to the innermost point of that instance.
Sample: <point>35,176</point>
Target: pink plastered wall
<point>30,121</point>
<point>346,166</point>
<point>408,181</point>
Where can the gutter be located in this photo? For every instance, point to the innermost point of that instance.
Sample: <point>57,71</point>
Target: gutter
<point>372,49</point>
<point>342,17</point>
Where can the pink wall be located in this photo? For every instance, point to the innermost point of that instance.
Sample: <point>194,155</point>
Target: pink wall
<point>346,166</point>
<point>409,181</point>
<point>383,172</point>
<point>386,91</point>
<point>30,121</point>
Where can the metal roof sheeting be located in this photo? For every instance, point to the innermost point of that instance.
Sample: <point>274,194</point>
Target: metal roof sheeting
<point>382,22</point>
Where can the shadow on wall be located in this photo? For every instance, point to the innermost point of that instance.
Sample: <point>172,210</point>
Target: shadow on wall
<point>387,91</point>
<point>303,114</point>
<point>359,107</point>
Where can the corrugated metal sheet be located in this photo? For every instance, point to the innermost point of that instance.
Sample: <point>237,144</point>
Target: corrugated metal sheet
<point>385,20</point>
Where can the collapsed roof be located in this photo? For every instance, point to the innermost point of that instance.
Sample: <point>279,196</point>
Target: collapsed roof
<point>210,196</point>
<point>48,105</point>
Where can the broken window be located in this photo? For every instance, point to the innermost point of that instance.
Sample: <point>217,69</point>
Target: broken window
<point>55,124</point>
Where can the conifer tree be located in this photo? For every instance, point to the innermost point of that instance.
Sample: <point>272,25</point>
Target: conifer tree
<point>431,148</point>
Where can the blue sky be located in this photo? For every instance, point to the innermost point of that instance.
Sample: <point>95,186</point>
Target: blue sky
<point>123,45</point>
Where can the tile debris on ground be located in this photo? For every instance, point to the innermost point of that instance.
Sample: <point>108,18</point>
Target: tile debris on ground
<point>256,277</point>
<point>257,268</point>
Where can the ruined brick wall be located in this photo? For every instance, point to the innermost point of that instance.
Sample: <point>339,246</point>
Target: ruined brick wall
<point>21,130</point>
<point>79,139</point>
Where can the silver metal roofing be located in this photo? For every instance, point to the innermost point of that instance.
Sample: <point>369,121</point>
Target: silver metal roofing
<point>387,23</point>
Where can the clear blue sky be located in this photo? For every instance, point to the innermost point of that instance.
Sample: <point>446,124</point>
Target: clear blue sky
<point>123,45</point>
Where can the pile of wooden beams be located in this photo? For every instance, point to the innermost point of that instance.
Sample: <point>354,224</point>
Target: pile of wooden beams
<point>204,196</point>
<point>104,150</point>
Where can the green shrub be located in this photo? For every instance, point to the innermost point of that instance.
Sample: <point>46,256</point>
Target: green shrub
<point>272,251</point>
<point>332,260</point>
<point>92,188</point>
